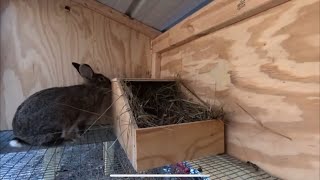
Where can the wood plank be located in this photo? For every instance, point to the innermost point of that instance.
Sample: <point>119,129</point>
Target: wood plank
<point>216,15</point>
<point>40,39</point>
<point>156,60</point>
<point>265,70</point>
<point>158,146</point>
<point>119,17</point>
<point>124,124</point>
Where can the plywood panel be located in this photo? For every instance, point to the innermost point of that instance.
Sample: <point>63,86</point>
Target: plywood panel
<point>265,71</point>
<point>159,146</point>
<point>32,37</point>
<point>220,13</point>
<point>40,39</point>
<point>120,18</point>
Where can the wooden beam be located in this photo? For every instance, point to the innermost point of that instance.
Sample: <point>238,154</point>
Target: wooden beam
<point>119,17</point>
<point>214,16</point>
<point>156,60</point>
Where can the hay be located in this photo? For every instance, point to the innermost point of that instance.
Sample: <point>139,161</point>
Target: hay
<point>163,103</point>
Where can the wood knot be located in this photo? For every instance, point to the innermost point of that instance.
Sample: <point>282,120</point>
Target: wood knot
<point>241,4</point>
<point>67,8</point>
<point>190,28</point>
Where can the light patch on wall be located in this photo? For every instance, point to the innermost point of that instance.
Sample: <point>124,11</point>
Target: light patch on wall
<point>215,72</point>
<point>13,95</point>
<point>313,98</point>
<point>220,74</point>
<point>265,107</point>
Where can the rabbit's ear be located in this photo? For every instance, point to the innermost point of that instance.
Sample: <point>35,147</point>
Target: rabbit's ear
<point>86,71</point>
<point>76,65</point>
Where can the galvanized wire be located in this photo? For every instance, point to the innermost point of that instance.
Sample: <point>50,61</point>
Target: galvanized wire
<point>92,157</point>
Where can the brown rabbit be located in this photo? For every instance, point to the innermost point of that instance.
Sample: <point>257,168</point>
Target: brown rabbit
<point>53,114</point>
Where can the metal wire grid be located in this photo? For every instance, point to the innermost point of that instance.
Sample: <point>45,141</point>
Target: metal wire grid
<point>95,135</point>
<point>84,159</point>
<point>225,167</point>
<point>92,158</point>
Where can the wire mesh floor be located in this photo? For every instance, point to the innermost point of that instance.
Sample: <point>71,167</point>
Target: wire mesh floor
<point>96,156</point>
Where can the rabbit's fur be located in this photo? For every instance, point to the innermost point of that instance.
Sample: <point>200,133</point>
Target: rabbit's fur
<point>51,115</point>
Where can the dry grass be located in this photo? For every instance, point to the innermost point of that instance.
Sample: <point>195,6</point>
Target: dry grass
<point>163,103</point>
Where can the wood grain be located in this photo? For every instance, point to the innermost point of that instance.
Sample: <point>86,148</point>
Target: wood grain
<point>124,124</point>
<point>40,39</point>
<point>159,146</point>
<point>265,71</point>
<point>156,60</point>
<point>220,13</point>
<point>153,147</point>
<point>118,17</point>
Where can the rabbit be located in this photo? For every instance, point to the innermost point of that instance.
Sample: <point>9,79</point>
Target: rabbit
<point>55,114</point>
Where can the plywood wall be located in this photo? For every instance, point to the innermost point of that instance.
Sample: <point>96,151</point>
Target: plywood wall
<point>265,71</point>
<point>40,39</point>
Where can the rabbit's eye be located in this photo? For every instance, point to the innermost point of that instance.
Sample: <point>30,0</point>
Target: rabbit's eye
<point>101,79</point>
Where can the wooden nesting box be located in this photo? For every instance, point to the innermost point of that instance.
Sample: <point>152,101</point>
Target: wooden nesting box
<point>157,146</point>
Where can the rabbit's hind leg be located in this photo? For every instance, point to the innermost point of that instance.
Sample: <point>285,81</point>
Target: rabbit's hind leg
<point>71,133</point>
<point>49,139</point>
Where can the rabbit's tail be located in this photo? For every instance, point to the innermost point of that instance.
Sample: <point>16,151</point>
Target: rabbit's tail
<point>16,142</point>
